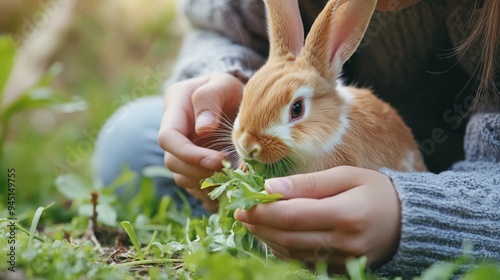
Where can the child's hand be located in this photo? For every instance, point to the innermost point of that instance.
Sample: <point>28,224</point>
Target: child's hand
<point>329,215</point>
<point>193,110</point>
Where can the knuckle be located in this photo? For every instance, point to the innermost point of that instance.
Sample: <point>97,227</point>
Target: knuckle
<point>210,206</point>
<point>354,223</point>
<point>170,161</point>
<point>328,243</point>
<point>253,229</point>
<point>199,95</point>
<point>291,218</point>
<point>175,87</point>
<point>287,240</point>
<point>187,184</point>
<point>358,247</point>
<point>163,139</point>
<point>172,93</point>
<point>309,184</point>
<point>179,180</point>
<point>358,220</point>
<point>344,169</point>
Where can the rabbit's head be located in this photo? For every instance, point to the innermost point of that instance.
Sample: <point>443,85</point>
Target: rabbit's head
<point>295,108</point>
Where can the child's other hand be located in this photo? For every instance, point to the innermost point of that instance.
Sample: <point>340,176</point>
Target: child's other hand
<point>193,110</point>
<point>329,215</point>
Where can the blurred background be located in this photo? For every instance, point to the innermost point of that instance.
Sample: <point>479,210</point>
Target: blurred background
<point>98,52</point>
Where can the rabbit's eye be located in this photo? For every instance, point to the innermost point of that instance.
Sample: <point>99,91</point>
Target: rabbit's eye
<point>297,109</point>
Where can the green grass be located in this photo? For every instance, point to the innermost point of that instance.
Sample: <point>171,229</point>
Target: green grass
<point>58,233</point>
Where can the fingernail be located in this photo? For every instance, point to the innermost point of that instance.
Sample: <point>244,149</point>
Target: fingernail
<point>281,185</point>
<point>211,163</point>
<point>204,120</point>
<point>239,215</point>
<point>207,164</point>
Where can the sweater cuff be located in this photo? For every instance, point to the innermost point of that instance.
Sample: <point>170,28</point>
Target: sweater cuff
<point>441,211</point>
<point>482,139</point>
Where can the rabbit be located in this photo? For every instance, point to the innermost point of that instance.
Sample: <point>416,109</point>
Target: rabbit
<point>296,114</point>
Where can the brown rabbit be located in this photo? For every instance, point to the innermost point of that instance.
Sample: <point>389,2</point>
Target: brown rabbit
<point>297,116</point>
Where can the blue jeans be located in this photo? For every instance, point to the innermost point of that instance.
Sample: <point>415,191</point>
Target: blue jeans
<point>129,138</point>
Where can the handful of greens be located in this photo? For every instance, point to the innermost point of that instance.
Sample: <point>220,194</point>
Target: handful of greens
<point>243,189</point>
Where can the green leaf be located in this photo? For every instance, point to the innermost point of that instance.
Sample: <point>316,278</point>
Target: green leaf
<point>248,198</point>
<point>356,268</point>
<point>215,180</point>
<point>157,171</point>
<point>50,75</point>
<point>175,246</point>
<point>215,193</point>
<point>126,177</point>
<point>72,186</point>
<point>129,229</point>
<point>7,55</point>
<point>44,97</point>
<point>207,184</point>
<point>244,189</point>
<point>484,272</point>
<point>438,271</point>
<point>106,214</point>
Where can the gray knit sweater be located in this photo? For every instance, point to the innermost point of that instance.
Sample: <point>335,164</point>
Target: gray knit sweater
<point>400,58</point>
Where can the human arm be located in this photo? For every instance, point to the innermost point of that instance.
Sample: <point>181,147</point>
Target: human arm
<point>441,211</point>
<point>224,36</point>
<point>204,89</point>
<point>438,211</point>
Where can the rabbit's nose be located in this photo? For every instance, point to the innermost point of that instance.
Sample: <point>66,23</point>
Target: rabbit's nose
<point>248,146</point>
<point>254,151</point>
<point>251,151</point>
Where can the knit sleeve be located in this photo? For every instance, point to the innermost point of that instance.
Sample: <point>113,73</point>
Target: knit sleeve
<point>442,211</point>
<point>224,37</point>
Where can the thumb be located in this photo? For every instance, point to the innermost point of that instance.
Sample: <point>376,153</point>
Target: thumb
<point>316,185</point>
<point>211,98</point>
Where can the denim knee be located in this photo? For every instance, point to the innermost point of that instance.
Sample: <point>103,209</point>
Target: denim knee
<point>129,139</point>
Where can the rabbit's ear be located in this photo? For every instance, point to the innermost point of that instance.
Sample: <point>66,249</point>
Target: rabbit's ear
<point>336,34</point>
<point>286,33</point>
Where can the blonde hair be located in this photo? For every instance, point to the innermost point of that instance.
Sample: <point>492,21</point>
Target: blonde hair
<point>486,33</point>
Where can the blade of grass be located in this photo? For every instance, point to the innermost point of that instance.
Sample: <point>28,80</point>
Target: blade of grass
<point>150,242</point>
<point>34,222</point>
<point>161,214</point>
<point>18,226</point>
<point>144,262</point>
<point>186,237</point>
<point>129,229</point>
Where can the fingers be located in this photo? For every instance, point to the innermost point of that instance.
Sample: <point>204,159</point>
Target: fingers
<point>335,258</point>
<point>177,102</point>
<point>176,128</point>
<point>295,240</point>
<point>192,186</point>
<point>209,101</point>
<point>211,206</point>
<point>177,166</point>
<point>296,214</point>
<point>318,184</point>
<point>193,109</point>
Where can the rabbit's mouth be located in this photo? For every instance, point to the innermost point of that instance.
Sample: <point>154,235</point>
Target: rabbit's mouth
<point>281,168</point>
<point>267,149</point>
